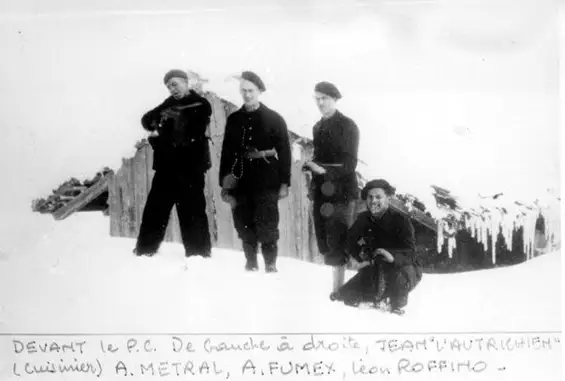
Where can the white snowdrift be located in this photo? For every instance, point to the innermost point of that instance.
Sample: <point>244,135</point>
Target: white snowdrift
<point>71,276</point>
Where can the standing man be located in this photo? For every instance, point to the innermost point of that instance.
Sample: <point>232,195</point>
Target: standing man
<point>334,183</point>
<point>181,159</point>
<point>255,172</point>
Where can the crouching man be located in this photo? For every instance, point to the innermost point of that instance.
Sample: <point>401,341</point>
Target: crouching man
<point>382,241</point>
<point>181,158</point>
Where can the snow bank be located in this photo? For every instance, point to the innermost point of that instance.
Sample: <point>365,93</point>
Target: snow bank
<point>70,276</point>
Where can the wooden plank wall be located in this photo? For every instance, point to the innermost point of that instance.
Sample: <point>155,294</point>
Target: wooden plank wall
<point>224,231</point>
<point>128,191</point>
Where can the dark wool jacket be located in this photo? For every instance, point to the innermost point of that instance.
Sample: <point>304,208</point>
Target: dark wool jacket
<point>182,144</point>
<point>336,141</point>
<point>393,232</point>
<point>261,129</point>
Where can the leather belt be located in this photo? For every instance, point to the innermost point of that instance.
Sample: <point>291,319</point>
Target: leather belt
<point>254,154</point>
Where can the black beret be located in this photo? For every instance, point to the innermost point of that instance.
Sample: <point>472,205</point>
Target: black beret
<point>253,78</point>
<point>329,89</point>
<point>380,183</point>
<point>175,73</point>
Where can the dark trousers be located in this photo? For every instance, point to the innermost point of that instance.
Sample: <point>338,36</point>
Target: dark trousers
<point>256,220</point>
<point>379,281</point>
<point>331,223</point>
<point>186,192</point>
<point>400,282</point>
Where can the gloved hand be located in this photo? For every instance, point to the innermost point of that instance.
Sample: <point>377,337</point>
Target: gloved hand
<point>228,198</point>
<point>283,192</point>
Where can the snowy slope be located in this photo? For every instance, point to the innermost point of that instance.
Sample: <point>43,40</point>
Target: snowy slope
<point>70,276</point>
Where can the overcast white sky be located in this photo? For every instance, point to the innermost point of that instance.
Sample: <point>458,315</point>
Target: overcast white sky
<point>462,94</point>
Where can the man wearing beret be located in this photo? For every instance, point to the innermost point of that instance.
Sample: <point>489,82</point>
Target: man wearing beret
<point>334,186</point>
<point>255,172</point>
<point>382,240</point>
<point>181,158</point>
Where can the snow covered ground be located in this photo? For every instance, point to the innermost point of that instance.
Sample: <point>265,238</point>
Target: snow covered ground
<point>71,276</point>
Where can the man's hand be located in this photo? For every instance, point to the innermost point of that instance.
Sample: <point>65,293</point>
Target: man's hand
<point>226,197</point>
<point>385,254</point>
<point>283,192</point>
<point>358,265</point>
<point>315,168</point>
<point>229,182</point>
<point>364,256</point>
<point>154,125</point>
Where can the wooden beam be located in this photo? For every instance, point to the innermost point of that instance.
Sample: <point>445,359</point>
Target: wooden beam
<point>72,189</point>
<point>82,199</point>
<point>66,198</point>
<point>415,214</point>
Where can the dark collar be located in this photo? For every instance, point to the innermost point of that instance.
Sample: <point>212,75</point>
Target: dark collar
<point>335,116</point>
<point>258,109</point>
<point>385,219</point>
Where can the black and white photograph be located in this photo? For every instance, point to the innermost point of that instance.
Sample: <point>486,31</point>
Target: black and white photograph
<point>340,190</point>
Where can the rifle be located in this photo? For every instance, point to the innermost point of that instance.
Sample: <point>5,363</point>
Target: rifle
<point>176,110</point>
<point>165,116</point>
<point>306,168</point>
<point>184,107</point>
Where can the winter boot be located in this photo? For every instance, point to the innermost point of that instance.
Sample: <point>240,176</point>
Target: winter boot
<point>251,266</point>
<point>397,304</point>
<point>271,268</point>
<point>204,254</point>
<point>141,253</point>
<point>397,311</point>
<point>352,301</point>
<point>270,251</point>
<point>250,251</point>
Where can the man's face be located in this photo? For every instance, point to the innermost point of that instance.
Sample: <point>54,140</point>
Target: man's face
<point>178,87</point>
<point>326,104</point>
<point>249,92</point>
<point>377,201</point>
